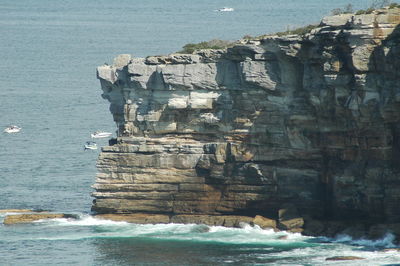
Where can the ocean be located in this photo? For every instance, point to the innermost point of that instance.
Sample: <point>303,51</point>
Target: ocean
<point>49,51</point>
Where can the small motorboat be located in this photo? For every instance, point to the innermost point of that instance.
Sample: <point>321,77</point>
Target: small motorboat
<point>12,129</point>
<point>226,9</point>
<point>90,145</point>
<point>100,134</point>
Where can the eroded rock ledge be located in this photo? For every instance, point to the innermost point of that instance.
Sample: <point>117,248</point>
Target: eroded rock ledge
<point>311,121</point>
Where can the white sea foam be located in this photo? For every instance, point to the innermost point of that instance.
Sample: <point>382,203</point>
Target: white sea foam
<point>83,220</point>
<point>295,247</point>
<point>306,246</point>
<point>386,241</point>
<point>180,232</point>
<point>4,214</point>
<point>317,255</point>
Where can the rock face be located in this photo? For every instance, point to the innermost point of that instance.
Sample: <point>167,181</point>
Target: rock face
<point>311,121</point>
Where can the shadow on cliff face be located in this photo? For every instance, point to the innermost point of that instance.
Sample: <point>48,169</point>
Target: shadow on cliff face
<point>362,175</point>
<point>384,60</point>
<point>328,138</point>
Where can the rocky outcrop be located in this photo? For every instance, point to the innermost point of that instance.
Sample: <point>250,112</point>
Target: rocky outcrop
<point>306,121</point>
<point>31,217</point>
<point>344,258</point>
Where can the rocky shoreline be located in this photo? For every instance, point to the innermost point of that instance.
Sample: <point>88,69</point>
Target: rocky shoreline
<point>290,221</point>
<point>17,217</point>
<point>307,123</point>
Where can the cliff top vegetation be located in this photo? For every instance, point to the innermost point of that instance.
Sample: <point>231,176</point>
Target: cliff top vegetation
<point>190,48</point>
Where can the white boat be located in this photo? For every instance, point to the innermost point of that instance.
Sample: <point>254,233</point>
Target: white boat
<point>226,9</point>
<point>12,129</point>
<point>100,134</point>
<point>90,145</point>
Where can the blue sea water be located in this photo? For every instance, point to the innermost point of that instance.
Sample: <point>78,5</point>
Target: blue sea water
<point>49,50</point>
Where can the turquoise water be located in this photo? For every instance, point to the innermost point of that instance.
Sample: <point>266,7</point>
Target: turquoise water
<point>48,54</point>
<point>94,242</point>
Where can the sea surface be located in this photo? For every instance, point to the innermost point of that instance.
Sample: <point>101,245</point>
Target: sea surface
<point>49,50</point>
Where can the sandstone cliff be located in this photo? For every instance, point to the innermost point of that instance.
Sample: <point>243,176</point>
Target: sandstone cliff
<point>311,121</point>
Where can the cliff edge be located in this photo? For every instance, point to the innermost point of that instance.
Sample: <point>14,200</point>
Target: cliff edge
<point>304,123</point>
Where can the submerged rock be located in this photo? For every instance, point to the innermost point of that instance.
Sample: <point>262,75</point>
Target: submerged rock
<point>345,258</point>
<point>201,228</point>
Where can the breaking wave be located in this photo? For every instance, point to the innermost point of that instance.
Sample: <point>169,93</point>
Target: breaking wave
<point>387,241</point>
<point>99,228</point>
<point>259,244</point>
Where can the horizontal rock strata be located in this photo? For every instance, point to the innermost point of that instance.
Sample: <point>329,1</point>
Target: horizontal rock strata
<point>311,121</point>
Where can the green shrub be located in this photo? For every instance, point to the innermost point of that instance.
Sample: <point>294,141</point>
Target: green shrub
<point>248,37</point>
<point>376,4</point>
<point>213,44</point>
<point>336,11</point>
<point>298,31</point>
<point>369,10</point>
<point>348,9</point>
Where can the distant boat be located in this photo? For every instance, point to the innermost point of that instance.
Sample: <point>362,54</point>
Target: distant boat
<point>226,9</point>
<point>12,129</point>
<point>90,145</point>
<point>100,134</point>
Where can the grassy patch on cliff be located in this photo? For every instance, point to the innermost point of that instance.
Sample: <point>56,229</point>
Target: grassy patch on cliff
<point>394,5</point>
<point>297,31</point>
<point>346,10</point>
<point>301,31</point>
<point>376,4</point>
<point>190,48</point>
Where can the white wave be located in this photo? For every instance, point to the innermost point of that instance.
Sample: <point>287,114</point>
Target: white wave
<point>293,248</point>
<point>342,238</point>
<point>99,228</point>
<point>246,235</point>
<point>4,214</point>
<point>296,249</point>
<point>385,242</point>
<point>317,255</point>
<point>83,220</point>
<point>192,232</point>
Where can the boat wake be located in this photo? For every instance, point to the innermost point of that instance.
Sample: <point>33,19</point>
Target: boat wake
<point>225,9</point>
